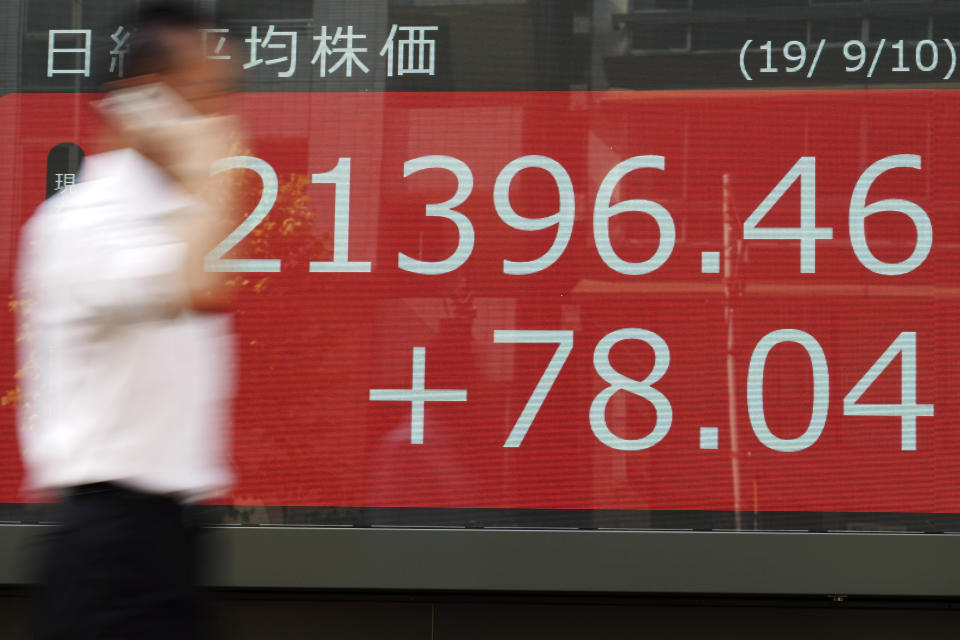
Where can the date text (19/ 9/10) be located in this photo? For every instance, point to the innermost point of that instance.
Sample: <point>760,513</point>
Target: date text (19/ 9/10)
<point>936,59</point>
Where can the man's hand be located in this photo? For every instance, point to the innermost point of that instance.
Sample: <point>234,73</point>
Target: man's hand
<point>190,154</point>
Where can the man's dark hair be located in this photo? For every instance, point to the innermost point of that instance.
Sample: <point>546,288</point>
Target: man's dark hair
<point>149,50</point>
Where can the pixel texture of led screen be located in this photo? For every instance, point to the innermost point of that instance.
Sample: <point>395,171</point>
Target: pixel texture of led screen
<point>708,305</point>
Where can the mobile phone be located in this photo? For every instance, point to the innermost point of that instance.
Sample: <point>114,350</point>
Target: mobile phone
<point>145,107</point>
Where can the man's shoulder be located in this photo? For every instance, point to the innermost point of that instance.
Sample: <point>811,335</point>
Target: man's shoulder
<point>83,206</point>
<point>114,186</point>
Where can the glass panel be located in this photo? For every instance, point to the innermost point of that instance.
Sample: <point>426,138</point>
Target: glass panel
<point>660,5</point>
<point>836,31</point>
<point>911,28</point>
<point>711,37</point>
<point>622,274</point>
<point>745,5</point>
<point>946,27</point>
<point>653,37</point>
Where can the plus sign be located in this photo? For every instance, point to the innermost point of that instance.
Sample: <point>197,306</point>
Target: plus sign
<point>418,395</point>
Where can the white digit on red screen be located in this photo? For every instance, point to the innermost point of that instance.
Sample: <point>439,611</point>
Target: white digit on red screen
<point>642,388</point>
<point>807,233</point>
<point>860,211</point>
<point>215,260</point>
<point>562,219</point>
<point>860,56</point>
<point>340,177</point>
<point>444,210</point>
<point>603,211</point>
<point>906,346</point>
<point>564,342</point>
<point>821,390</point>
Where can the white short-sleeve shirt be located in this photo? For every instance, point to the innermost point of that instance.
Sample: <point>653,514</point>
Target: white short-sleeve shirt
<point>114,386</point>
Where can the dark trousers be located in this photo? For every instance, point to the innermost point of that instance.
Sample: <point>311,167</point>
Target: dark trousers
<point>121,566</point>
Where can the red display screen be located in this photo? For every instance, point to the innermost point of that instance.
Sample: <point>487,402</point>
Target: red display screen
<point>664,301</point>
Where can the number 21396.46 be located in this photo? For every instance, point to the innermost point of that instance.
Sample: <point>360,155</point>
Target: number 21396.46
<point>604,210</point>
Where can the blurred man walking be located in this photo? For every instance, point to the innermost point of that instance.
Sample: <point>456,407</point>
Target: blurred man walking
<point>129,350</point>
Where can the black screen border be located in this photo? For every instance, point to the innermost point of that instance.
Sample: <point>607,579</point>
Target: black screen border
<point>560,561</point>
